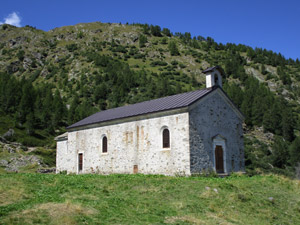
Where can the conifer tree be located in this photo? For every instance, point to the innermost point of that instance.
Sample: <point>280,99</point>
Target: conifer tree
<point>59,110</point>
<point>294,151</point>
<point>27,100</point>
<point>287,123</point>
<point>142,41</point>
<point>173,48</point>
<point>280,153</point>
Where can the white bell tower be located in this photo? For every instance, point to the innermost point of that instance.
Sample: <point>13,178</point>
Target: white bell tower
<point>213,76</point>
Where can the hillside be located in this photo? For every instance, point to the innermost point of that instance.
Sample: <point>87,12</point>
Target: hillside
<point>52,79</point>
<point>139,199</point>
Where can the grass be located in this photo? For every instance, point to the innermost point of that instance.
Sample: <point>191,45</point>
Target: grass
<point>140,199</point>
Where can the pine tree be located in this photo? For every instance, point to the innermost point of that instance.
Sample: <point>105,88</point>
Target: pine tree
<point>166,32</point>
<point>173,48</point>
<point>27,100</point>
<point>72,117</point>
<point>142,41</point>
<point>280,153</point>
<point>294,151</point>
<point>287,123</point>
<point>29,125</point>
<point>59,110</point>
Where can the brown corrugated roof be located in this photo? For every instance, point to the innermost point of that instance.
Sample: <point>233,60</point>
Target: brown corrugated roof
<point>152,106</point>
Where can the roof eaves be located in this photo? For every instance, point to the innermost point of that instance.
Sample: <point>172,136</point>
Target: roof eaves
<point>127,117</point>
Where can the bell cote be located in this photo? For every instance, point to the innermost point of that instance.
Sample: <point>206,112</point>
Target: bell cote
<point>213,76</point>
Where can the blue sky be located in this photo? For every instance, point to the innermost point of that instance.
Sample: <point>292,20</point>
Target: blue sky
<point>270,24</point>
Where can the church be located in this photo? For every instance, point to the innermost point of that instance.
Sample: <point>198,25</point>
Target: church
<point>184,134</point>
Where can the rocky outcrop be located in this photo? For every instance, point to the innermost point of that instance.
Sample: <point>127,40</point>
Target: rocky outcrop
<point>15,163</point>
<point>15,157</point>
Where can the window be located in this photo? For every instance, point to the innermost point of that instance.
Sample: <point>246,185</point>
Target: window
<point>166,138</point>
<point>104,144</point>
<point>80,160</point>
<point>216,79</point>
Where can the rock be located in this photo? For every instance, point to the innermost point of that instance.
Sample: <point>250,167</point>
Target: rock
<point>17,162</point>
<point>46,170</point>
<point>12,42</point>
<point>9,149</point>
<point>17,42</point>
<point>9,133</point>
<point>26,63</point>
<point>271,199</point>
<point>44,72</point>
<point>97,31</point>
<point>3,140</point>
<point>3,162</point>
<point>38,56</point>
<point>13,67</point>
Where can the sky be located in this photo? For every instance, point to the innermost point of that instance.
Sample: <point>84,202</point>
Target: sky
<point>270,24</point>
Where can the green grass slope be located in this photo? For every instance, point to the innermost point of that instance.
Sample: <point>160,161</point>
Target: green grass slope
<point>140,199</point>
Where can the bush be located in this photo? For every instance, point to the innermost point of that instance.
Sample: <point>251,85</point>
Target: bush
<point>72,47</point>
<point>142,41</point>
<point>158,63</point>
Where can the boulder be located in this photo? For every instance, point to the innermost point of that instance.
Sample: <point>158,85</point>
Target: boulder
<point>46,170</point>
<point>9,133</point>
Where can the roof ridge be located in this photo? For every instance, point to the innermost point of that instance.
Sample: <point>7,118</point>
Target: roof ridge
<point>150,106</point>
<point>155,99</point>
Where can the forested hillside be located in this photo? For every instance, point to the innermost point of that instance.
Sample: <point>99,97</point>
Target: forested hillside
<point>52,79</point>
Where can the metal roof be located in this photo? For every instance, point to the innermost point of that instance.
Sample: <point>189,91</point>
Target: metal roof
<point>156,105</point>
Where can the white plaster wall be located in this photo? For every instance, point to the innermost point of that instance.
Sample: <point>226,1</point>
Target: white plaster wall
<point>62,157</point>
<point>130,143</point>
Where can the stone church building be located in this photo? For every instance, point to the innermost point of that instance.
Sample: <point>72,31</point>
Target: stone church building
<point>182,134</point>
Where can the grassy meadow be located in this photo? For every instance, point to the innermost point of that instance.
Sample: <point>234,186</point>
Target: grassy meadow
<point>30,198</point>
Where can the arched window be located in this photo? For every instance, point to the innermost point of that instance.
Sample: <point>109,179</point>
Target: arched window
<point>166,138</point>
<point>104,144</point>
<point>216,79</point>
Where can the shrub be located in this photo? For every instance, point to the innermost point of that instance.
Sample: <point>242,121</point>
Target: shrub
<point>72,47</point>
<point>158,63</point>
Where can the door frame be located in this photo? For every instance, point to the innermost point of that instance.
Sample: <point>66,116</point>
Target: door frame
<point>221,141</point>
<point>78,172</point>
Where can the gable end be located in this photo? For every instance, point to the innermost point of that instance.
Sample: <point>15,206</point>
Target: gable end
<point>226,99</point>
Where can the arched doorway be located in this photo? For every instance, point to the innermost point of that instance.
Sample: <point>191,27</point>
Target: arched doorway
<point>219,154</point>
<point>219,159</point>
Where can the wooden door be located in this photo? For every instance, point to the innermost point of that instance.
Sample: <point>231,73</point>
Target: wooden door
<point>135,169</point>
<point>80,159</point>
<point>219,159</point>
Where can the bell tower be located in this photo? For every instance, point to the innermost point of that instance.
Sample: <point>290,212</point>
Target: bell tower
<point>213,76</point>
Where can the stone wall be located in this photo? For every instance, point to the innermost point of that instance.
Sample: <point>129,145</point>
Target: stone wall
<point>130,143</point>
<point>211,117</point>
<point>63,157</point>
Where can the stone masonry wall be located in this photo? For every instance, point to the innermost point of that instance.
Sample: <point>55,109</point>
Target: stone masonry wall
<point>62,156</point>
<point>210,117</point>
<point>129,143</point>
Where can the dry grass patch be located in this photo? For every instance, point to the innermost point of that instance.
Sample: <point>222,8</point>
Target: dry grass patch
<point>50,213</point>
<point>185,219</point>
<point>11,191</point>
<point>218,218</point>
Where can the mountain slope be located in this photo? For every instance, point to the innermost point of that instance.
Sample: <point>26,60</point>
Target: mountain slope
<point>52,79</point>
